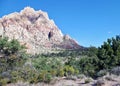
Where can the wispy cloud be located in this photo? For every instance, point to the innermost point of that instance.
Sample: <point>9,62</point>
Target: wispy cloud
<point>109,32</point>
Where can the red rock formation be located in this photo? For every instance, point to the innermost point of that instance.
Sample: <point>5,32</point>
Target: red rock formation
<point>36,30</point>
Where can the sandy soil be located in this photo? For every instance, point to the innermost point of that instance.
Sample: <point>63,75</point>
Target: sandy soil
<point>65,82</point>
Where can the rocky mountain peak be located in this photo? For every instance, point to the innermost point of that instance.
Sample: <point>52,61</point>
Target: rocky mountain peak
<point>35,30</point>
<point>33,15</point>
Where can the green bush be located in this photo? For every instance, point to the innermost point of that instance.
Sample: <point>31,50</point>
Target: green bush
<point>101,73</point>
<point>88,66</point>
<point>115,71</point>
<point>61,72</point>
<point>12,54</point>
<point>44,76</point>
<point>88,80</point>
<point>12,58</point>
<point>109,53</point>
<point>69,70</point>
<point>4,81</point>
<point>53,72</point>
<point>48,78</point>
<point>80,76</point>
<point>91,62</point>
<point>25,74</point>
<point>71,77</point>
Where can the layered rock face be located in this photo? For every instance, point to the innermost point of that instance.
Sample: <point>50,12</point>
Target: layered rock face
<point>35,30</point>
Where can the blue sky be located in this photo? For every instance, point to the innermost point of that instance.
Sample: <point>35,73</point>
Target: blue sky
<point>90,22</point>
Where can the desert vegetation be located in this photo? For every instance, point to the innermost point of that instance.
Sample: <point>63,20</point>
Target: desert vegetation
<point>16,65</point>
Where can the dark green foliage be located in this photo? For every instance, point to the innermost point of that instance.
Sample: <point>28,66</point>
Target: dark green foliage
<point>92,51</point>
<point>47,68</point>
<point>12,56</point>
<point>11,53</point>
<point>43,63</point>
<point>92,61</point>
<point>95,60</point>
<point>3,44</point>
<point>70,53</point>
<point>101,73</point>
<point>10,47</point>
<point>109,53</point>
<point>51,67</point>
<point>45,76</point>
<point>69,70</point>
<point>87,80</point>
<point>4,81</point>
<point>88,65</point>
<point>85,65</point>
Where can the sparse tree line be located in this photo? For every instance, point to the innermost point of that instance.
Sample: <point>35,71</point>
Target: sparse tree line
<point>16,65</point>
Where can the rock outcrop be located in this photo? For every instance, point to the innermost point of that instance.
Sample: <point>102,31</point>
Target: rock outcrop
<point>35,30</point>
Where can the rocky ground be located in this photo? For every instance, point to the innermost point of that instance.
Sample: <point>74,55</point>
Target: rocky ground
<point>104,81</point>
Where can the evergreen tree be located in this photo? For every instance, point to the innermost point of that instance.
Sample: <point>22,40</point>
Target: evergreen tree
<point>109,53</point>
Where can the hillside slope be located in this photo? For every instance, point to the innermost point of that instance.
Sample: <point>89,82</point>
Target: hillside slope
<point>35,30</point>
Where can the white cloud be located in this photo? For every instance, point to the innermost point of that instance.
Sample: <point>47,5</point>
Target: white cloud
<point>109,32</point>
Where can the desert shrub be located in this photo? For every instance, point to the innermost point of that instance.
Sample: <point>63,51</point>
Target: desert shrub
<point>115,70</point>
<point>42,75</point>
<point>61,72</point>
<point>45,76</point>
<point>69,70</point>
<point>54,80</point>
<point>25,74</point>
<point>15,76</point>
<point>88,80</point>
<point>84,65</point>
<point>48,68</point>
<point>92,51</point>
<point>13,57</point>
<point>109,53</point>
<point>12,54</point>
<point>76,71</point>
<point>72,61</point>
<point>4,81</point>
<point>48,78</point>
<point>88,66</point>
<point>43,63</point>
<point>29,74</point>
<point>80,76</point>
<point>101,73</point>
<point>109,78</point>
<point>10,47</point>
<point>71,77</point>
<point>53,72</point>
<point>100,82</point>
